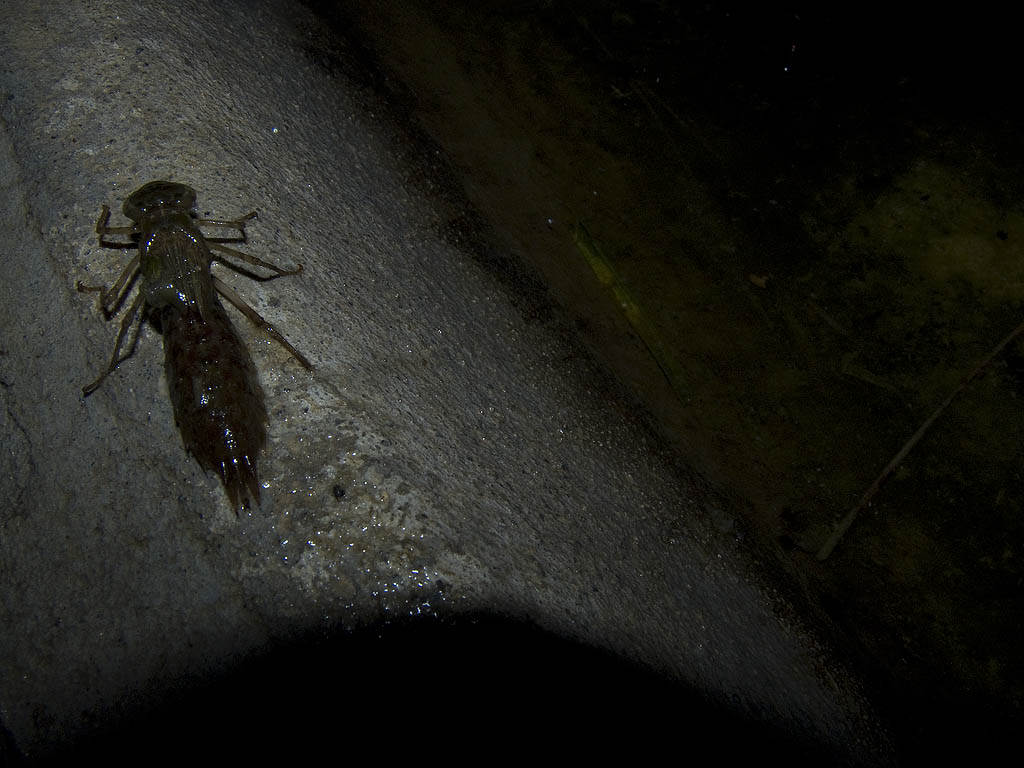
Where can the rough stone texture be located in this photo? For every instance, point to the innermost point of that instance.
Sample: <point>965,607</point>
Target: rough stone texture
<point>483,465</point>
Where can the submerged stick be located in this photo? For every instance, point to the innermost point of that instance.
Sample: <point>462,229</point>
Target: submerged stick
<point>645,330</point>
<point>846,522</point>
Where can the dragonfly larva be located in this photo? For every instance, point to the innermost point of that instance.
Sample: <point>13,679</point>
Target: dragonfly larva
<point>216,394</point>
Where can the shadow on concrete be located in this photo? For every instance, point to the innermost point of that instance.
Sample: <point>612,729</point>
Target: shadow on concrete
<point>434,687</point>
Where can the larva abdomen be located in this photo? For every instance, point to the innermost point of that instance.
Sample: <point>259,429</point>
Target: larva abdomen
<point>217,398</point>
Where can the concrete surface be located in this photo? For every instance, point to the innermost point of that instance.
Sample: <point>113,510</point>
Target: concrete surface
<point>453,454</point>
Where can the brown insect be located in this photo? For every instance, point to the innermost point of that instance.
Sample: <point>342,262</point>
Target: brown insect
<point>216,394</point>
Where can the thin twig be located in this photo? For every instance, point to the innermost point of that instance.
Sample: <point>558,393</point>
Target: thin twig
<point>846,522</point>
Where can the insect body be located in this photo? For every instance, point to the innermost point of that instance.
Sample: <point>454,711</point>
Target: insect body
<point>216,394</point>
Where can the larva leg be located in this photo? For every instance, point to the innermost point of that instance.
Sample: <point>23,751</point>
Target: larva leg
<point>238,224</point>
<point>249,259</point>
<point>102,229</point>
<point>116,360</point>
<point>108,296</point>
<point>228,293</point>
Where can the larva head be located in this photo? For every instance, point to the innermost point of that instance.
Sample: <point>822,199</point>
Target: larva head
<point>158,194</point>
